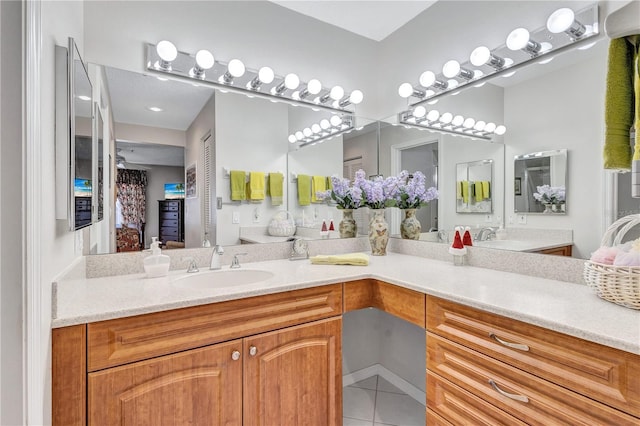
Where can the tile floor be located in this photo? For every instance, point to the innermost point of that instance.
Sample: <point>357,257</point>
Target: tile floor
<point>376,402</point>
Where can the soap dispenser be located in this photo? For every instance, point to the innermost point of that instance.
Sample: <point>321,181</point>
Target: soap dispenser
<point>156,265</point>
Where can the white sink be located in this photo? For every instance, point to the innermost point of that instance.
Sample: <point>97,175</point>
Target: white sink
<point>223,278</point>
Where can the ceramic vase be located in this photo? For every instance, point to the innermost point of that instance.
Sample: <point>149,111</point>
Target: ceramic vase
<point>410,226</point>
<point>547,208</point>
<point>378,233</point>
<point>347,226</point>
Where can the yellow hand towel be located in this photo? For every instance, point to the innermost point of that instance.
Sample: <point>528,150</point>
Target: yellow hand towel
<point>465,191</point>
<point>359,259</point>
<point>238,178</point>
<point>329,183</point>
<point>318,184</point>
<point>304,190</point>
<point>477,186</point>
<point>275,188</point>
<point>486,189</point>
<point>256,186</point>
<point>619,104</point>
<point>458,190</point>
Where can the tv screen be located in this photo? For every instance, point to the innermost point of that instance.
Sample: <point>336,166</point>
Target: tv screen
<point>82,187</point>
<point>173,190</point>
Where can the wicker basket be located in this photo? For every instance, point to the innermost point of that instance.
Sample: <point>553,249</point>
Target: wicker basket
<point>617,284</point>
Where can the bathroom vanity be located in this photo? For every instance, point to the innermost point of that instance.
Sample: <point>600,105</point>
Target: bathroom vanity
<point>270,352</point>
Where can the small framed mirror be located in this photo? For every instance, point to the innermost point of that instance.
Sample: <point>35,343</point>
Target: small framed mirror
<point>474,187</point>
<point>540,182</point>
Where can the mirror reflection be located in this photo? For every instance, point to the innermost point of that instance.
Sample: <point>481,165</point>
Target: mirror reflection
<point>540,182</point>
<point>473,186</point>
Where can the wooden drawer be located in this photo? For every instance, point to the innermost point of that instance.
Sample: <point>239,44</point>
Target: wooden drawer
<point>459,407</point>
<point>545,404</point>
<point>123,340</point>
<point>608,375</point>
<point>557,251</point>
<point>401,302</point>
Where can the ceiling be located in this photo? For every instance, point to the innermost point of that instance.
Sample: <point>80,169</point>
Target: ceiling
<point>371,19</point>
<point>149,154</point>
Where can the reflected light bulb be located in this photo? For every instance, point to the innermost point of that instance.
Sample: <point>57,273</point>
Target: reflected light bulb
<point>469,123</point>
<point>314,86</point>
<point>336,93</point>
<point>427,79</point>
<point>500,130</point>
<point>405,90</point>
<point>299,135</point>
<point>324,123</point>
<point>518,39</point>
<point>204,59</point>
<point>356,97</point>
<point>479,126</point>
<point>452,84</point>
<point>236,68</point>
<point>490,127</point>
<point>457,120</point>
<point>291,81</point>
<point>307,132</point>
<point>292,139</point>
<point>315,128</point>
<point>433,115</point>
<point>446,118</point>
<point>335,120</point>
<point>451,68</point>
<point>266,75</point>
<point>166,50</point>
<point>419,111</point>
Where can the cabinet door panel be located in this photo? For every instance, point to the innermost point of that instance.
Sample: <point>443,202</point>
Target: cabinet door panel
<point>295,377</point>
<point>198,387</point>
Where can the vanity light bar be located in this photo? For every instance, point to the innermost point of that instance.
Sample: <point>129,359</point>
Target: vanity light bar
<point>448,123</point>
<point>563,31</point>
<point>324,130</point>
<point>233,76</point>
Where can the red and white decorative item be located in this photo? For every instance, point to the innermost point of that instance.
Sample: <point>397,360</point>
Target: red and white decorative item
<point>324,231</point>
<point>466,239</point>
<point>457,249</point>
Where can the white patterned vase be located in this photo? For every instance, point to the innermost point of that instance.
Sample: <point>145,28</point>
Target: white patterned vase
<point>378,233</point>
<point>410,226</point>
<point>347,227</point>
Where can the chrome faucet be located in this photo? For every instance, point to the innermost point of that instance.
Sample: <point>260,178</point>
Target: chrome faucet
<point>216,255</point>
<point>193,267</point>
<point>486,234</point>
<point>235,263</point>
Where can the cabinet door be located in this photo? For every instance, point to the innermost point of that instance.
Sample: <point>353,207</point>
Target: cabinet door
<point>294,376</point>
<point>197,387</point>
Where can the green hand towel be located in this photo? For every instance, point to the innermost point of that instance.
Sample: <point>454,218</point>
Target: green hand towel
<point>318,184</point>
<point>486,185</point>
<point>329,183</point>
<point>479,193</point>
<point>304,190</point>
<point>275,188</point>
<point>238,191</point>
<point>256,186</point>
<point>619,105</point>
<point>465,191</point>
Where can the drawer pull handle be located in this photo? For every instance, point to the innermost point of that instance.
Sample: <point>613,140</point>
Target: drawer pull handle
<point>253,351</point>
<point>235,355</point>
<point>509,344</point>
<point>521,398</point>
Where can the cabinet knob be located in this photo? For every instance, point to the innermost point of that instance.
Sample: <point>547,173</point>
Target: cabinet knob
<point>518,346</point>
<point>235,355</point>
<point>253,350</point>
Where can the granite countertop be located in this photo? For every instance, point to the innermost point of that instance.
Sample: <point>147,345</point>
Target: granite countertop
<point>564,307</point>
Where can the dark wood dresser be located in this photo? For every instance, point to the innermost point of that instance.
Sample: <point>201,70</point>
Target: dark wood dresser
<point>171,220</point>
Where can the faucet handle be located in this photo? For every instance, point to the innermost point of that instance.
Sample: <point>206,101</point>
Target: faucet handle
<point>235,263</point>
<point>193,267</point>
<point>218,249</point>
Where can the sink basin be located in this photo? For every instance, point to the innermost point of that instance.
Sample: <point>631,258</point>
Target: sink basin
<point>223,278</point>
<point>513,245</point>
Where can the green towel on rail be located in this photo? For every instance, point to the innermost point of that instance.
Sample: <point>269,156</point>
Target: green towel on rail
<point>275,188</point>
<point>238,190</point>
<point>304,190</point>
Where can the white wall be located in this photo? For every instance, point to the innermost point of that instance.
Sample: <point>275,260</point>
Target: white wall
<point>11,197</point>
<point>577,125</point>
<point>249,136</point>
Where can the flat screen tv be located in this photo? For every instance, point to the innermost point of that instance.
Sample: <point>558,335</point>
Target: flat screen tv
<point>173,190</point>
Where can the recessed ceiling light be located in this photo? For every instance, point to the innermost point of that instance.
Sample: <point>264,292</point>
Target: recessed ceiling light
<point>84,98</point>
<point>154,109</point>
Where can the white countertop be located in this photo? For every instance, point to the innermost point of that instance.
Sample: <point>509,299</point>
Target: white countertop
<point>568,308</point>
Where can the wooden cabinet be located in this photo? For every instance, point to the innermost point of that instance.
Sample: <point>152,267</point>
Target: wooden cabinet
<point>532,374</point>
<point>171,220</point>
<point>557,251</point>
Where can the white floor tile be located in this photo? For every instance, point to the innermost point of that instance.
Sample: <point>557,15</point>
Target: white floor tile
<point>369,383</point>
<point>401,410</point>
<point>385,386</point>
<point>358,403</point>
<point>346,421</point>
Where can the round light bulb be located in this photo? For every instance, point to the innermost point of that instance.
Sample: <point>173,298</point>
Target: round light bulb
<point>335,120</point>
<point>490,127</point>
<point>166,50</point>
<point>356,97</point>
<point>299,135</point>
<point>292,139</point>
<point>315,128</point>
<point>291,81</point>
<point>480,56</point>
<point>324,123</point>
<point>419,111</point>
<point>469,123</point>
<point>433,115</point>
<point>452,84</point>
<point>307,132</point>
<point>405,90</point>
<point>500,130</point>
<point>314,86</point>
<point>266,75</point>
<point>479,126</point>
<point>457,120</point>
<point>518,39</point>
<point>236,68</point>
<point>560,20</point>
<point>427,79</point>
<point>336,93</point>
<point>451,68</point>
<point>204,59</point>
<point>446,118</point>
